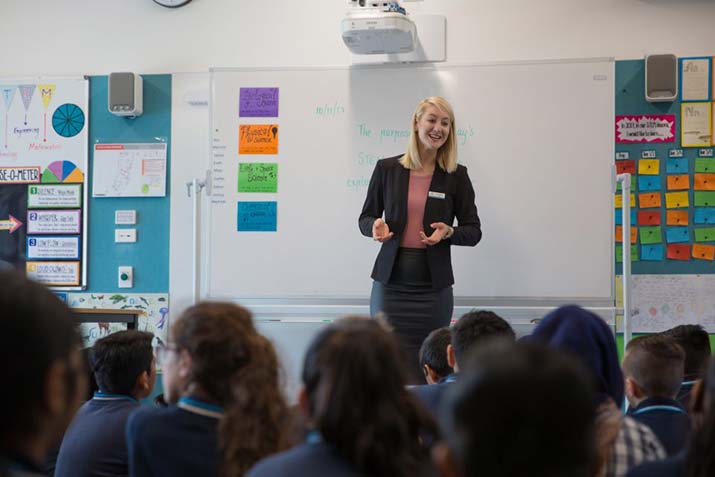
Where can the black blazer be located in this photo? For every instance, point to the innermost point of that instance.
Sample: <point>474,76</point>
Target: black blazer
<point>387,193</point>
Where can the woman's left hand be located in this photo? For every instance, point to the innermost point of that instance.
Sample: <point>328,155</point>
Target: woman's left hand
<point>440,230</point>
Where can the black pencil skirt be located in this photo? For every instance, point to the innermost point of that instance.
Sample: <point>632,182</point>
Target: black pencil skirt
<point>411,306</point>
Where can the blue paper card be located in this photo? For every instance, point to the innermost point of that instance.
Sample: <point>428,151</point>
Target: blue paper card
<point>677,234</point>
<point>648,183</point>
<point>619,216</point>
<point>652,252</point>
<point>257,216</point>
<point>704,215</point>
<point>676,165</point>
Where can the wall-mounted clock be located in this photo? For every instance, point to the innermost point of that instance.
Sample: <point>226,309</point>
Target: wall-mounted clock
<point>172,3</point>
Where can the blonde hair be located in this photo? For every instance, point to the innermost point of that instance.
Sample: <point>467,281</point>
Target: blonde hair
<point>447,153</point>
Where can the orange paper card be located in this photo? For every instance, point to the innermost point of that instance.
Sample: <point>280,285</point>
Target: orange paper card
<point>704,181</point>
<point>258,139</point>
<point>703,252</point>
<point>619,234</point>
<point>676,217</point>
<point>649,200</point>
<point>626,166</point>
<point>679,182</point>
<point>649,217</point>
<point>679,251</point>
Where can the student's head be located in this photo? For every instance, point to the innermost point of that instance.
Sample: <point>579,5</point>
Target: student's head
<point>695,341</point>
<point>355,396</point>
<point>433,355</point>
<point>123,363</point>
<point>42,369</point>
<point>653,367</point>
<point>432,127</point>
<point>474,329</point>
<point>586,336</point>
<point>519,409</point>
<point>215,354</point>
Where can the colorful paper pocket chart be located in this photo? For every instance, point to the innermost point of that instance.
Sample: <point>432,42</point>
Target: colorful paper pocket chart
<point>650,167</point>
<point>704,199</point>
<point>651,235</point>
<point>676,165</point>
<point>677,234</point>
<point>705,165</point>
<point>619,216</point>
<point>648,183</point>
<point>679,182</point>
<point>623,167</point>
<point>676,217</point>
<point>649,200</point>
<point>676,200</point>
<point>704,215</point>
<point>619,200</point>
<point>703,252</point>
<point>652,252</point>
<point>705,234</point>
<point>649,217</point>
<point>619,234</point>
<point>619,253</point>
<point>678,252</point>
<point>704,182</point>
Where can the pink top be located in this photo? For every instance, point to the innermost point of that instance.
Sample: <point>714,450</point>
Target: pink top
<point>416,201</point>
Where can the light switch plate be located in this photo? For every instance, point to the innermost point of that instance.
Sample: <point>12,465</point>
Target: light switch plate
<point>125,217</point>
<point>125,235</point>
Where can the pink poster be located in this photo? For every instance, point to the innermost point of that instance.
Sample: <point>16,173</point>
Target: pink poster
<point>645,128</point>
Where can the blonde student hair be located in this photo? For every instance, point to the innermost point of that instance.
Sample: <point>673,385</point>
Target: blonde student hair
<point>447,154</point>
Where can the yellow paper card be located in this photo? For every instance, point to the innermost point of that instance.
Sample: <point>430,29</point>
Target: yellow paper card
<point>676,200</point>
<point>676,217</point>
<point>619,201</point>
<point>703,252</point>
<point>619,234</point>
<point>649,167</point>
<point>258,139</point>
<point>704,181</point>
<point>649,200</point>
<point>679,182</point>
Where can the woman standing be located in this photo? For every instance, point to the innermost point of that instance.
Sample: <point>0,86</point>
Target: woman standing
<point>420,193</point>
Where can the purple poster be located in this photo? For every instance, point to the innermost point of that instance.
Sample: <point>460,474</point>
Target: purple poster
<point>258,103</point>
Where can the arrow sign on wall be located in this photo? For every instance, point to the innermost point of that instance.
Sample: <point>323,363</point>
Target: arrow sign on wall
<point>12,224</point>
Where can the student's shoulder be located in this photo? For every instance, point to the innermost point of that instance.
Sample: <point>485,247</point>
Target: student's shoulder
<point>315,460</point>
<point>147,418</point>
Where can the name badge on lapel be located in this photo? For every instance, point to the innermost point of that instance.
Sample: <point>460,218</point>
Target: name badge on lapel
<point>436,195</point>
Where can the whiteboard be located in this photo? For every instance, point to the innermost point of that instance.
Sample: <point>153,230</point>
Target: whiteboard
<point>537,139</point>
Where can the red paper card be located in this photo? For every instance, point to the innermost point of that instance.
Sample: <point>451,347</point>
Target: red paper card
<point>679,251</point>
<point>649,217</point>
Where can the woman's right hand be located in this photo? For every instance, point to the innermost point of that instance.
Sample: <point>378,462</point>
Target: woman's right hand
<point>381,231</point>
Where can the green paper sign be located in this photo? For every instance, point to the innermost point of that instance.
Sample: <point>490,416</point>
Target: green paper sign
<point>704,165</point>
<point>704,198</point>
<point>258,177</point>
<point>650,235</point>
<point>705,234</point>
<point>619,253</point>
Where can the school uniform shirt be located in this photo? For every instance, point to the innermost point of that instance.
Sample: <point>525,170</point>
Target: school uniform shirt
<point>667,419</point>
<point>176,441</point>
<point>450,196</point>
<point>634,444</point>
<point>94,443</point>
<point>676,466</point>
<point>432,395</point>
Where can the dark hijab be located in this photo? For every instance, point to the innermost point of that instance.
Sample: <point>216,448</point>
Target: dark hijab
<point>580,332</point>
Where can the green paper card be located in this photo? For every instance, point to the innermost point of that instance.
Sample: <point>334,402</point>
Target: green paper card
<point>619,253</point>
<point>650,235</point>
<point>704,198</point>
<point>705,234</point>
<point>258,177</point>
<point>704,165</point>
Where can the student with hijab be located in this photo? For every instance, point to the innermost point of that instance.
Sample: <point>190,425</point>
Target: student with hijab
<point>622,443</point>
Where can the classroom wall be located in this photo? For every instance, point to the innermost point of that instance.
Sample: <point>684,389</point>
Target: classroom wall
<point>100,36</point>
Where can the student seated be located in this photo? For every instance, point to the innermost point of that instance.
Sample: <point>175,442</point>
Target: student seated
<point>226,410</point>
<point>622,442</point>
<point>697,459</point>
<point>519,409</point>
<point>42,374</point>
<point>471,330</point>
<point>433,355</point>
<point>695,341</point>
<point>364,421</point>
<point>653,368</point>
<point>94,444</point>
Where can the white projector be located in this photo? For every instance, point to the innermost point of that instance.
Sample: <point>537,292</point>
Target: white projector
<point>373,32</point>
